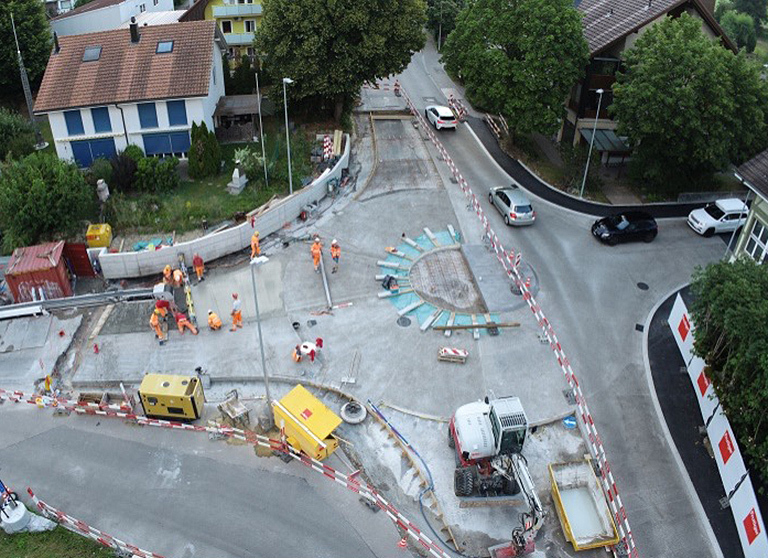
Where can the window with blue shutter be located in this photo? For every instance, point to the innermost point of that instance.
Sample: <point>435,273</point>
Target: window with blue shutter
<point>147,115</point>
<point>101,121</point>
<point>74,123</point>
<point>177,113</point>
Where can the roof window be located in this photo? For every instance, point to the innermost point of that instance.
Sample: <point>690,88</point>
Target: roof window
<point>92,53</point>
<point>164,46</point>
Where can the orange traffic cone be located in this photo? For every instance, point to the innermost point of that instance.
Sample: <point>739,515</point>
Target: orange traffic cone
<point>402,544</point>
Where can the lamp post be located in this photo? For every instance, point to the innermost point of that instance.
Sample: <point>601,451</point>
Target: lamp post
<point>261,132</point>
<point>288,81</point>
<point>254,263</point>
<point>591,142</point>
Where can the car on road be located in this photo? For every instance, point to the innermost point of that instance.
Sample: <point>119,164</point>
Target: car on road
<point>720,216</point>
<point>514,206</point>
<point>440,117</point>
<point>625,227</point>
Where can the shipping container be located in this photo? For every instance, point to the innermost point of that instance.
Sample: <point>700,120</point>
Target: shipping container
<point>38,272</point>
<point>172,396</point>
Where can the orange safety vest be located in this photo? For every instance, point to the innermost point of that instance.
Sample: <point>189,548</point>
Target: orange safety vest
<point>335,251</point>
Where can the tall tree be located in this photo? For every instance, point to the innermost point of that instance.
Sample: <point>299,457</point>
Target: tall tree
<point>688,105</point>
<point>331,47</point>
<point>740,27</point>
<point>519,58</point>
<point>758,9</point>
<point>441,16</point>
<point>34,41</point>
<point>41,197</point>
<point>730,311</point>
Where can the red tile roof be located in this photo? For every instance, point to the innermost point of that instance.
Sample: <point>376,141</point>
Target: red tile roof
<point>126,71</point>
<point>35,258</point>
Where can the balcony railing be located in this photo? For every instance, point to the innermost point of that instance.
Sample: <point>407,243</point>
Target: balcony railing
<point>237,10</point>
<point>234,39</point>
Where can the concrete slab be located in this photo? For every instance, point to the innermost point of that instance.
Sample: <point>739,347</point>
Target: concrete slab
<point>490,279</point>
<point>14,335</point>
<point>380,100</point>
<point>37,332</point>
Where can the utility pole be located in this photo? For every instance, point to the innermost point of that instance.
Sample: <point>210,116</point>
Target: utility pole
<point>27,92</point>
<point>440,27</point>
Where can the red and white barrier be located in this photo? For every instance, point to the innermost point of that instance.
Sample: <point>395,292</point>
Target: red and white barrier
<point>327,147</point>
<point>507,261</point>
<point>82,528</point>
<point>51,401</point>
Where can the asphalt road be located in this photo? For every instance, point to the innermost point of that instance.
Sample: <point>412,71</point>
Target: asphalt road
<point>593,296</point>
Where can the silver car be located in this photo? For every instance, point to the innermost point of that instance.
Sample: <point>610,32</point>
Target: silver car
<point>513,205</point>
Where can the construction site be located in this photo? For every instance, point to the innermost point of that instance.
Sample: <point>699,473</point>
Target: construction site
<point>411,365</point>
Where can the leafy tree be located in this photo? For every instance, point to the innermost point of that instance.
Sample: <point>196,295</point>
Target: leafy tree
<point>687,105</point>
<point>101,168</point>
<point>722,6</point>
<point>228,85</point>
<point>331,47</point>
<point>519,59</point>
<point>758,9</point>
<point>123,172</point>
<point>204,152</point>
<point>34,41</point>
<point>730,311</point>
<point>441,16</point>
<point>17,137</point>
<point>41,197</point>
<point>243,80</point>
<point>740,28</point>
<point>157,175</point>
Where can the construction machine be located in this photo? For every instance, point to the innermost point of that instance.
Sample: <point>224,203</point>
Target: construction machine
<point>488,438</point>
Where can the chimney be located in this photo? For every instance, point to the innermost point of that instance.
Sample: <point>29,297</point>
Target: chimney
<point>56,47</point>
<point>134,31</point>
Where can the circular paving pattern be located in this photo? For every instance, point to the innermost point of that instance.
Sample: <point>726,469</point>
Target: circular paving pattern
<point>443,278</point>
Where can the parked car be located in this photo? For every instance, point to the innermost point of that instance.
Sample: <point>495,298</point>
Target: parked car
<point>719,217</point>
<point>625,227</point>
<point>513,205</point>
<point>440,117</point>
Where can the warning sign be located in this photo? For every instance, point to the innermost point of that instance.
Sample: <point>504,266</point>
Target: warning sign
<point>684,327</point>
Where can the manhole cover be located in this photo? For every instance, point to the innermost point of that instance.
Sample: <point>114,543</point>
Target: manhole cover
<point>403,321</point>
<point>443,279</point>
<point>642,286</point>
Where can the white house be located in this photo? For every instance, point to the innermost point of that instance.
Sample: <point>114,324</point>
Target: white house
<point>143,86</point>
<point>103,15</point>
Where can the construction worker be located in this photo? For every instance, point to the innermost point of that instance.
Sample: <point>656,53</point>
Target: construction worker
<point>335,253</point>
<point>167,275</point>
<point>182,322</point>
<point>237,313</point>
<point>178,278</point>
<point>154,323</point>
<point>297,354</point>
<point>255,247</point>
<point>214,322</point>
<point>197,263</point>
<point>161,307</point>
<point>317,253</point>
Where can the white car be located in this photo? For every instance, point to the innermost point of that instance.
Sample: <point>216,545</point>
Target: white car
<point>440,117</point>
<point>721,216</point>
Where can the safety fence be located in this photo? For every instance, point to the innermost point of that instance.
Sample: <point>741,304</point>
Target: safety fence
<point>510,262</point>
<point>280,446</point>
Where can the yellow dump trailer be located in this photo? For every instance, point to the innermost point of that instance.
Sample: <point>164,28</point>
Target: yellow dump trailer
<point>172,396</point>
<point>308,423</point>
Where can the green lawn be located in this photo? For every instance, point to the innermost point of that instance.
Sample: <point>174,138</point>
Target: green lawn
<point>58,543</point>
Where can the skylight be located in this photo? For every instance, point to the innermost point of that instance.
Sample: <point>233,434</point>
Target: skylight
<point>164,46</point>
<point>92,53</point>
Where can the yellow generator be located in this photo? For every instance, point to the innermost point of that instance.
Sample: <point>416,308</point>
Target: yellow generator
<point>172,396</point>
<point>307,422</point>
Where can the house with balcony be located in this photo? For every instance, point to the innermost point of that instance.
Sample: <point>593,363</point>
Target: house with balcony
<point>753,240</point>
<point>102,15</point>
<point>237,20</point>
<point>610,27</point>
<point>143,86</point>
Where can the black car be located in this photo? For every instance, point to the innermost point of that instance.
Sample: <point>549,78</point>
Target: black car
<point>625,227</point>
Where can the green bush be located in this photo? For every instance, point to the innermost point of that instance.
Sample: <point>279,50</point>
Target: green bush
<point>740,28</point>
<point>17,136</point>
<point>722,6</point>
<point>157,175</point>
<point>101,169</point>
<point>123,172</point>
<point>251,161</point>
<point>134,152</point>
<point>204,152</point>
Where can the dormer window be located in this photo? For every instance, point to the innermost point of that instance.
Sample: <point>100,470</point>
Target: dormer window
<point>164,47</point>
<point>92,53</point>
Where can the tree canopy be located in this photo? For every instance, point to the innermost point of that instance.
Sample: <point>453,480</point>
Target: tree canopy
<point>730,311</point>
<point>758,9</point>
<point>519,59</point>
<point>441,16</point>
<point>42,196</point>
<point>34,42</point>
<point>688,105</point>
<point>331,47</point>
<point>740,27</point>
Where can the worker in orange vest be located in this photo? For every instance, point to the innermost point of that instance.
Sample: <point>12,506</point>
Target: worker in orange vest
<point>154,323</point>
<point>178,278</point>
<point>182,322</point>
<point>317,253</point>
<point>297,354</point>
<point>197,263</point>
<point>167,275</point>
<point>214,322</point>
<point>335,253</point>
<point>237,312</point>
<point>255,247</point>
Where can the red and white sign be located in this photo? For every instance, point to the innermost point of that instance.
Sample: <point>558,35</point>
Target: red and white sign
<point>726,450</point>
<point>702,386</point>
<point>682,328</point>
<point>749,521</point>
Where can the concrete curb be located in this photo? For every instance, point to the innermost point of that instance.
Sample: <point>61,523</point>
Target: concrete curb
<point>375,159</point>
<point>693,495</point>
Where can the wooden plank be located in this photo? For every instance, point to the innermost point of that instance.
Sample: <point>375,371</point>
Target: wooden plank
<point>389,294</point>
<point>392,265</point>
<point>413,306</point>
<point>413,244</point>
<point>431,319</point>
<point>431,237</point>
<point>449,327</point>
<point>490,325</point>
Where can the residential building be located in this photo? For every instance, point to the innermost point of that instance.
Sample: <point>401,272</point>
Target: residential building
<point>56,7</point>
<point>753,240</point>
<point>102,15</point>
<point>143,86</point>
<point>610,27</point>
<point>237,20</point>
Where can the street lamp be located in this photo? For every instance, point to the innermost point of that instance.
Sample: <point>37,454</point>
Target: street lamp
<point>288,81</point>
<point>592,142</point>
<point>261,132</point>
<point>254,263</point>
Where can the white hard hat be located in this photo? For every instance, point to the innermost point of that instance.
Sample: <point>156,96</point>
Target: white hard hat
<point>210,311</point>
<point>334,241</point>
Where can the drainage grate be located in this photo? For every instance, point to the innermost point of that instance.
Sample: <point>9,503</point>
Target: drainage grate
<point>311,323</point>
<point>569,397</point>
<point>639,327</point>
<point>642,286</point>
<point>403,321</point>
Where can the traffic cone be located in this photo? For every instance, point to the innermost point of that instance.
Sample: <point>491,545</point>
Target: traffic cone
<point>96,348</point>
<point>402,544</point>
<point>528,283</point>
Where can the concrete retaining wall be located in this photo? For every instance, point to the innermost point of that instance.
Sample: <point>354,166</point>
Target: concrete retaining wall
<point>212,246</point>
